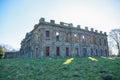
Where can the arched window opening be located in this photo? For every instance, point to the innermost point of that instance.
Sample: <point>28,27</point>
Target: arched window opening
<point>47,34</point>
<point>76,37</point>
<point>105,42</point>
<point>100,41</point>
<point>90,40</point>
<point>66,38</point>
<point>84,39</point>
<point>57,36</point>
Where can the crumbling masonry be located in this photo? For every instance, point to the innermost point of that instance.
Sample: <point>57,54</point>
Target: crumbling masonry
<point>51,39</point>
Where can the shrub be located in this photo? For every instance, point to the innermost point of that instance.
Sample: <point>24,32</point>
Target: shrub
<point>1,52</point>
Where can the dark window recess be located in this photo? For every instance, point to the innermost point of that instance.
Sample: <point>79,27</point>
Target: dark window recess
<point>47,33</point>
<point>57,51</point>
<point>47,51</point>
<point>66,39</point>
<point>67,51</point>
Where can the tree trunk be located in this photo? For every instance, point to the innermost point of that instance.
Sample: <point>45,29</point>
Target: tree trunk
<point>118,52</point>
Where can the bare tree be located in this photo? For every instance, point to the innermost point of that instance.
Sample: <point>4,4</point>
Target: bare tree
<point>115,36</point>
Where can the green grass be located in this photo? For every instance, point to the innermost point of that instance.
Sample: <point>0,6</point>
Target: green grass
<point>53,69</point>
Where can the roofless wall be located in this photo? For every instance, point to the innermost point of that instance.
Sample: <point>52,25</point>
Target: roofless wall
<point>51,39</point>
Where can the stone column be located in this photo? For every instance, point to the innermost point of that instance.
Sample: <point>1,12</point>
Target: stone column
<point>42,39</point>
<point>62,48</point>
<point>72,51</point>
<point>53,46</point>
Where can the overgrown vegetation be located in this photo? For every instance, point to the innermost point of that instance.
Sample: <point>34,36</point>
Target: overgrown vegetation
<point>1,52</point>
<point>77,68</point>
<point>114,35</point>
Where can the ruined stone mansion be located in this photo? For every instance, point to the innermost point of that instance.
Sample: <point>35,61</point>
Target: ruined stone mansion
<point>51,39</point>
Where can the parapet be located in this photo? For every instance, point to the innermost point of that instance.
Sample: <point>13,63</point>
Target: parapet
<point>42,20</point>
<point>78,26</point>
<point>105,33</point>
<point>86,28</point>
<point>35,26</point>
<point>100,32</point>
<point>63,24</point>
<point>96,31</point>
<point>71,25</point>
<point>52,21</point>
<point>92,30</point>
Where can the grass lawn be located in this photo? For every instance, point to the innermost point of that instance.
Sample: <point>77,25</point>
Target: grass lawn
<point>79,68</point>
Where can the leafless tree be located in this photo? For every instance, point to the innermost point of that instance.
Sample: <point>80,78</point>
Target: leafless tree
<point>115,36</point>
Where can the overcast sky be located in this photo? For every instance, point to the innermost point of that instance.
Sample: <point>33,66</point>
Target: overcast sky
<point>17,17</point>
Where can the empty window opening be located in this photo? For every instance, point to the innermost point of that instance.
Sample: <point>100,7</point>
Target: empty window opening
<point>92,52</point>
<point>84,52</point>
<point>47,34</point>
<point>84,39</point>
<point>47,50</point>
<point>66,39</point>
<point>76,37</point>
<point>57,51</point>
<point>67,51</point>
<point>57,36</point>
<point>100,41</point>
<point>106,53</point>
<point>105,42</point>
<point>36,52</point>
<point>77,52</point>
<point>36,35</point>
<point>90,40</point>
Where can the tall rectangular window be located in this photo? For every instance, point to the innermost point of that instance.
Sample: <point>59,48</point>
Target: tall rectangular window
<point>47,33</point>
<point>100,41</point>
<point>90,40</point>
<point>84,39</point>
<point>57,36</point>
<point>76,51</point>
<point>36,51</point>
<point>92,52</point>
<point>76,37</point>
<point>47,50</point>
<point>67,51</point>
<point>57,51</point>
<point>66,38</point>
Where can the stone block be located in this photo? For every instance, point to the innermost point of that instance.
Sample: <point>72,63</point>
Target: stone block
<point>62,23</point>
<point>71,25</point>
<point>92,29</point>
<point>42,20</point>
<point>52,21</point>
<point>78,26</point>
<point>96,31</point>
<point>86,28</point>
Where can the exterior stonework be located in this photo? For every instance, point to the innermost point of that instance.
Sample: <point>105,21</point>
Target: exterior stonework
<point>51,39</point>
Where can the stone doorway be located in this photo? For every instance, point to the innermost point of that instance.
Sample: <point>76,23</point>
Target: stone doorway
<point>77,52</point>
<point>36,52</point>
<point>57,51</point>
<point>84,52</point>
<point>67,51</point>
<point>92,52</point>
<point>47,50</point>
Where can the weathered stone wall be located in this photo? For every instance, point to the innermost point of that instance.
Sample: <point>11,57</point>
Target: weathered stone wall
<point>51,39</point>
<point>12,54</point>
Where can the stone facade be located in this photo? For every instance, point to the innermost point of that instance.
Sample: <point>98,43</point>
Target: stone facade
<point>51,39</point>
